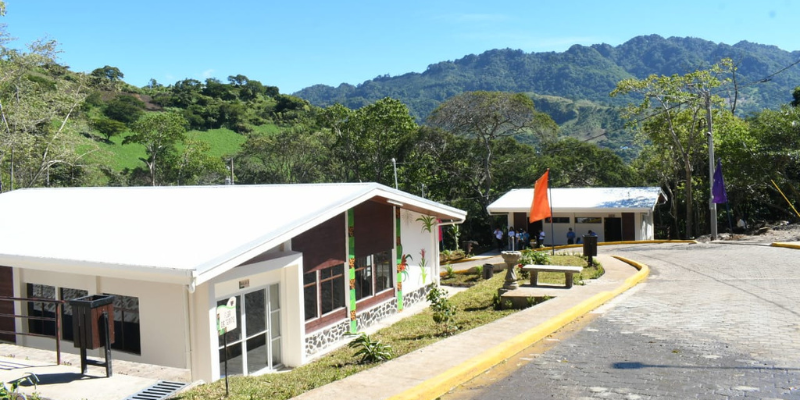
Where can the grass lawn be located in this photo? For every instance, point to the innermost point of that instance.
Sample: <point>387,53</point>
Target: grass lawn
<point>474,308</point>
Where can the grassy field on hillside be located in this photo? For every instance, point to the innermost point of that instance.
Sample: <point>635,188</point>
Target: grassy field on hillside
<point>224,142</point>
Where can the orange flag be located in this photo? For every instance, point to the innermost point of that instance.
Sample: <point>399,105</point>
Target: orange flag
<point>540,208</point>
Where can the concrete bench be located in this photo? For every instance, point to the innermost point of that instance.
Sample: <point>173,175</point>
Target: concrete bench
<point>535,269</point>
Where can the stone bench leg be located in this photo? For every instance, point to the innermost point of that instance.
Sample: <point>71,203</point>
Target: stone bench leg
<point>569,279</point>
<point>534,278</point>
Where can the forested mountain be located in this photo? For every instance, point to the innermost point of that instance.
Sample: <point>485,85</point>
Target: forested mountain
<point>580,73</point>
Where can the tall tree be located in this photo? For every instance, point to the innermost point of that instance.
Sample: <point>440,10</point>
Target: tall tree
<point>35,110</point>
<point>158,132</point>
<point>488,116</point>
<point>673,111</point>
<point>367,139</point>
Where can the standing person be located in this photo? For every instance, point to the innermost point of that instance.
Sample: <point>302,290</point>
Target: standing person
<point>570,237</point>
<point>498,234</point>
<point>520,236</point>
<point>512,238</point>
<point>540,240</point>
<point>525,240</point>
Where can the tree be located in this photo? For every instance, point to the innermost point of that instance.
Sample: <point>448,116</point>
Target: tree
<point>368,138</point>
<point>108,127</point>
<point>35,133</point>
<point>158,132</point>
<point>293,155</point>
<point>574,163</point>
<point>111,74</point>
<point>486,117</point>
<point>124,108</point>
<point>194,165</point>
<point>107,76</point>
<point>674,117</point>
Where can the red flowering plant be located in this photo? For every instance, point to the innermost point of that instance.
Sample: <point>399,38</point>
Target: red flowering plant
<point>402,268</point>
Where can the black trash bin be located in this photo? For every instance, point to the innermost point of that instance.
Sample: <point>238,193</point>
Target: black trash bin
<point>589,247</point>
<point>93,327</point>
<point>488,271</point>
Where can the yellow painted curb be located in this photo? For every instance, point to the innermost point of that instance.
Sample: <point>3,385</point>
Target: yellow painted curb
<point>786,245</point>
<point>475,366</point>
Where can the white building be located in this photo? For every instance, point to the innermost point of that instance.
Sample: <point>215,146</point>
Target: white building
<point>614,214</point>
<point>307,263</point>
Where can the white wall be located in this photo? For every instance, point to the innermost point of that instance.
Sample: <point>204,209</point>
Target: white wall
<point>415,239</point>
<point>162,325</point>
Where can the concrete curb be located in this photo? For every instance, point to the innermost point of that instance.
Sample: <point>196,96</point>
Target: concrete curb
<point>786,245</point>
<point>475,366</point>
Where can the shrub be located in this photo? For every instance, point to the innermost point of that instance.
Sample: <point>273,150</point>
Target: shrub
<point>369,350</point>
<point>535,257</point>
<point>444,311</point>
<point>450,272</point>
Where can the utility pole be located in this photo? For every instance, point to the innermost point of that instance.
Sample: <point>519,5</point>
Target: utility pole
<point>712,207</point>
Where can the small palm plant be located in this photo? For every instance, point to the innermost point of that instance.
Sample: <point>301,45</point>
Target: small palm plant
<point>369,350</point>
<point>10,390</point>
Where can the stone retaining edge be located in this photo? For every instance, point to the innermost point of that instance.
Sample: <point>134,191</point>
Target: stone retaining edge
<point>477,365</point>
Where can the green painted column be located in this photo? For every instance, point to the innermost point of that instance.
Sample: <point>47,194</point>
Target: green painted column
<point>351,261</point>
<point>400,264</point>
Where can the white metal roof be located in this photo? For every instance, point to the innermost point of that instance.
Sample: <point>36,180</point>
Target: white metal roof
<point>183,232</point>
<point>619,199</point>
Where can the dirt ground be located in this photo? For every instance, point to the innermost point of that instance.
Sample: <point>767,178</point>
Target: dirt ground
<point>761,233</point>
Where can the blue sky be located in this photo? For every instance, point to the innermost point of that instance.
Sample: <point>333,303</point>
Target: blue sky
<point>294,44</point>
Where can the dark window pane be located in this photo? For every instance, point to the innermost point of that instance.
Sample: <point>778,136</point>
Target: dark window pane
<point>66,311</point>
<point>43,310</point>
<point>126,324</point>
<point>256,354</point>
<point>383,272</point>
<point>310,277</point>
<point>234,357</point>
<point>256,312</point>
<point>338,292</point>
<point>310,300</point>
<point>363,277</point>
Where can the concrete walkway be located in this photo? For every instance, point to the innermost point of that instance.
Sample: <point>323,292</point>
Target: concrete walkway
<point>65,382</point>
<point>431,371</point>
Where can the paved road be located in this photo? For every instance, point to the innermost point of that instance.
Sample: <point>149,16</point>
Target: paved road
<point>713,321</point>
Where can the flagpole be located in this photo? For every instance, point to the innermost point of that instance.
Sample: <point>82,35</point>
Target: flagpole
<point>550,193</point>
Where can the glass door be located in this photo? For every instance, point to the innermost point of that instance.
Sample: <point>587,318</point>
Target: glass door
<point>255,346</point>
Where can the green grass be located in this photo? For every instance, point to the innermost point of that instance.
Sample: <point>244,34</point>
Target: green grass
<point>474,309</point>
<point>117,156</point>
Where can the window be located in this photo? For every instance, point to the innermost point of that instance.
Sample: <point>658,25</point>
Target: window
<point>588,220</point>
<point>373,274</point>
<point>557,220</point>
<point>323,291</point>
<point>38,309</point>
<point>66,311</point>
<point>126,324</point>
<point>48,310</point>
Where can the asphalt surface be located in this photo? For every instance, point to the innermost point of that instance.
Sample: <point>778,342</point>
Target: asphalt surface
<point>713,321</point>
